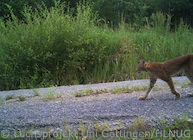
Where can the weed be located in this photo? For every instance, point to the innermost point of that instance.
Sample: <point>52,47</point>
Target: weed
<point>2,101</point>
<point>100,128</point>
<point>82,129</point>
<point>36,92</point>
<point>21,98</point>
<point>100,91</point>
<point>139,87</point>
<point>116,90</point>
<point>127,89</point>
<point>50,95</point>
<point>140,125</point>
<point>9,97</point>
<point>185,83</point>
<point>85,92</point>
<point>123,89</point>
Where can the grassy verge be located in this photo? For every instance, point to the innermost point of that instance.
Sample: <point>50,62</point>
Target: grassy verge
<point>116,90</point>
<point>88,92</point>
<point>126,89</point>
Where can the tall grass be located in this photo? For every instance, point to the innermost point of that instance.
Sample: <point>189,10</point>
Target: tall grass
<point>52,47</point>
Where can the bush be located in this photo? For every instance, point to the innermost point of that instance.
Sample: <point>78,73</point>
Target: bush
<point>52,48</point>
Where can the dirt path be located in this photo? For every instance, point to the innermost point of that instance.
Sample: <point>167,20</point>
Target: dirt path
<point>113,109</point>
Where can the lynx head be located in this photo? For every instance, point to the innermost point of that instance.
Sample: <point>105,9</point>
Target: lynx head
<point>141,66</point>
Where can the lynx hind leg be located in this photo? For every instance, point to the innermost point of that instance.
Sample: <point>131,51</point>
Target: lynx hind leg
<point>169,81</point>
<point>171,85</point>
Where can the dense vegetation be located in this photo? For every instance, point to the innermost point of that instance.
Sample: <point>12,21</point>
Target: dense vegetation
<point>43,46</point>
<point>133,12</point>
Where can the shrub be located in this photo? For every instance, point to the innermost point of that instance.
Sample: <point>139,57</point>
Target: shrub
<point>52,48</point>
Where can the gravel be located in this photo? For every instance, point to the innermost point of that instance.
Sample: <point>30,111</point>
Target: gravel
<point>109,108</point>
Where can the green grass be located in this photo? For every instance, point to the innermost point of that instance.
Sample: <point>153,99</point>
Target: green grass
<point>51,95</point>
<point>116,90</point>
<point>127,89</point>
<point>2,101</point>
<point>21,98</point>
<point>140,125</point>
<point>36,92</point>
<point>9,97</point>
<point>88,92</point>
<point>65,48</point>
<point>85,92</point>
<point>185,83</point>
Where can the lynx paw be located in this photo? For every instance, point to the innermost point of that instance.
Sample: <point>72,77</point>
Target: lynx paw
<point>178,96</point>
<point>142,98</point>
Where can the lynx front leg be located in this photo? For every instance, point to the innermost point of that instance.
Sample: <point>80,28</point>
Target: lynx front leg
<point>153,80</point>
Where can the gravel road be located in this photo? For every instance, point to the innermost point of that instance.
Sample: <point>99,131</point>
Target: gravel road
<point>107,107</point>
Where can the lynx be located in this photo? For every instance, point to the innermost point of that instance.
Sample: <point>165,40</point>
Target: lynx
<point>164,71</point>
